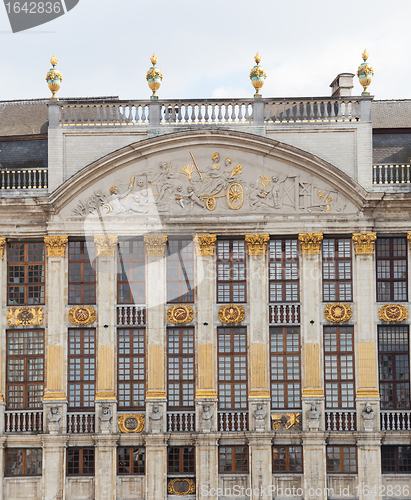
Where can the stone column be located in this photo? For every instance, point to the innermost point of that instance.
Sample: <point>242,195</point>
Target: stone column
<point>105,467</point>
<point>261,466</point>
<point>106,331</point>
<point>55,394</point>
<point>258,326</point>
<point>54,467</point>
<point>206,464</point>
<point>2,466</point>
<point>315,478</point>
<point>3,302</point>
<point>369,465</point>
<point>156,466</point>
<point>156,300</point>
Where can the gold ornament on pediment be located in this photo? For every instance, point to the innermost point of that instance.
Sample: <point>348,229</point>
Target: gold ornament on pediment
<point>56,245</point>
<point>180,314</point>
<point>338,313</point>
<point>2,246</point>
<point>393,312</point>
<point>24,316</point>
<point>82,315</point>
<point>285,421</point>
<point>310,243</point>
<point>106,245</point>
<point>132,422</point>
<point>364,243</point>
<point>181,486</point>
<point>257,243</point>
<point>231,313</point>
<point>156,245</point>
<point>204,244</point>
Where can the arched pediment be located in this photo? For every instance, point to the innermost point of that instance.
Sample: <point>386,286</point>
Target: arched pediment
<point>211,172</point>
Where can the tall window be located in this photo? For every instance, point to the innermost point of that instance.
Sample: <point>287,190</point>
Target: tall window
<point>180,271</point>
<point>285,367</point>
<point>391,258</point>
<point>24,462</point>
<point>25,273</point>
<point>80,461</point>
<point>181,460</point>
<point>283,268</point>
<point>131,368</point>
<point>287,459</point>
<point>232,368</point>
<point>337,269</point>
<point>131,460</point>
<point>341,459</point>
<point>231,271</point>
<point>339,366</point>
<point>81,273</point>
<point>396,459</point>
<point>393,358</point>
<point>233,459</point>
<point>25,368</point>
<point>180,373</point>
<point>130,272</point>
<point>81,368</point>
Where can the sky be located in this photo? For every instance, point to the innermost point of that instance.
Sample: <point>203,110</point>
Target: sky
<point>206,48</point>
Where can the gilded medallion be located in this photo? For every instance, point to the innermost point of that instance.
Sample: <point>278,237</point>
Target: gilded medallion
<point>131,423</point>
<point>25,316</point>
<point>180,314</point>
<point>286,421</point>
<point>337,313</point>
<point>393,312</point>
<point>82,315</point>
<point>181,486</point>
<point>231,313</point>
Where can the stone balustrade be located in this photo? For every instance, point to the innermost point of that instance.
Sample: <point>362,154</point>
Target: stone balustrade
<point>232,421</point>
<point>181,421</point>
<point>81,423</point>
<point>24,421</point>
<point>24,179</point>
<point>391,174</point>
<point>131,315</point>
<point>341,420</point>
<point>284,314</point>
<point>395,420</point>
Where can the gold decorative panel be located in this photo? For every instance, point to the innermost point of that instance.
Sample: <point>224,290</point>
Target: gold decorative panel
<point>337,313</point>
<point>204,244</point>
<point>82,315</point>
<point>55,367</point>
<point>105,370</point>
<point>312,375</point>
<point>286,421</point>
<point>155,362</point>
<point>393,312</point>
<point>231,313</point>
<point>364,243</point>
<point>181,486</point>
<point>56,245</point>
<point>367,381</point>
<point>25,316</point>
<point>2,245</point>
<point>258,370</point>
<point>131,422</point>
<point>180,314</point>
<point>310,243</point>
<point>156,245</point>
<point>257,243</point>
<point>106,245</point>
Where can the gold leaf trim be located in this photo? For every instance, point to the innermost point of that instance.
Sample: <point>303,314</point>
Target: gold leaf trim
<point>180,314</point>
<point>364,243</point>
<point>393,312</point>
<point>338,313</point>
<point>82,315</point>
<point>55,396</point>
<point>204,244</point>
<point>285,420</point>
<point>206,394</point>
<point>259,394</point>
<point>190,482</point>
<point>106,245</point>
<point>257,243</point>
<point>231,313</point>
<point>126,427</point>
<point>24,316</point>
<point>56,245</point>
<point>312,393</point>
<point>2,246</point>
<point>310,243</point>
<point>156,245</point>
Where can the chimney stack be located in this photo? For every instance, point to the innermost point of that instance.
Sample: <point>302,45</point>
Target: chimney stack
<point>342,85</point>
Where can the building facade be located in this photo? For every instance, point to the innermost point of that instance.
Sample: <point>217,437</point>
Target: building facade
<point>205,299</point>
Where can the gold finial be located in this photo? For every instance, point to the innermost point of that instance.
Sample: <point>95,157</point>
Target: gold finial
<point>365,55</point>
<point>54,61</point>
<point>257,58</point>
<point>54,78</point>
<point>154,59</point>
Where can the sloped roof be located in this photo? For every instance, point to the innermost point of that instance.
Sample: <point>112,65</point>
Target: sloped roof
<point>391,114</point>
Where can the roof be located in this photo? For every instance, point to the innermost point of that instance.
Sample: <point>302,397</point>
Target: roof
<point>391,114</point>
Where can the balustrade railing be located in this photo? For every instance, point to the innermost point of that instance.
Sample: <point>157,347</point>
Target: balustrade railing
<point>80,423</point>
<point>181,421</point>
<point>24,179</point>
<point>24,421</point>
<point>340,421</point>
<point>131,315</point>
<point>395,420</point>
<point>230,421</point>
<point>105,114</point>
<point>284,314</point>
<point>391,174</point>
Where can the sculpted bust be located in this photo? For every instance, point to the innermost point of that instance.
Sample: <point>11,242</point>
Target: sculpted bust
<point>313,417</point>
<point>156,418</point>
<point>105,419</point>
<point>54,417</point>
<point>368,415</point>
<point>206,418</point>
<point>259,415</point>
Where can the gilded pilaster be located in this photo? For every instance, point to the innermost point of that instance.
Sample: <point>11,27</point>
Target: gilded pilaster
<point>205,244</point>
<point>2,247</point>
<point>364,243</point>
<point>310,243</point>
<point>56,245</point>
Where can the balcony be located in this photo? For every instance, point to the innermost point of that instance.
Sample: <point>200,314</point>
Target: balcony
<point>284,314</point>
<point>181,421</point>
<point>24,421</point>
<point>24,179</point>
<point>391,174</point>
<point>81,423</point>
<point>395,420</point>
<point>232,421</point>
<point>340,420</point>
<point>131,315</point>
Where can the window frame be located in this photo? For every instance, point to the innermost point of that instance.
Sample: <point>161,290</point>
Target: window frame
<point>132,264</point>
<point>391,260</point>
<point>342,459</point>
<point>395,449</point>
<point>183,454</point>
<point>233,462</point>
<point>339,297</point>
<point>81,382</point>
<point>242,283</point>
<point>286,449</point>
<point>24,462</point>
<point>141,469</point>
<point>185,279</point>
<point>82,283</point>
<point>81,461</point>
<point>283,261</point>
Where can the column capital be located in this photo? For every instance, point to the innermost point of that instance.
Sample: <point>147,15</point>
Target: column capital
<point>310,243</point>
<point>257,243</point>
<point>56,245</point>
<point>106,245</point>
<point>364,243</point>
<point>156,245</point>
<point>408,238</point>
<point>205,244</point>
<point>3,244</point>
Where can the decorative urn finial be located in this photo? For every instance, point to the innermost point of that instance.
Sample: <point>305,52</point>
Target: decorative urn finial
<point>54,77</point>
<point>154,77</point>
<point>257,76</point>
<point>365,73</point>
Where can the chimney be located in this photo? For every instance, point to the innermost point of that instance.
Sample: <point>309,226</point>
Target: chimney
<point>342,85</point>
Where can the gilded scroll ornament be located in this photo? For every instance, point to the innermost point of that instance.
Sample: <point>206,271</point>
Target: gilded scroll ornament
<point>24,316</point>
<point>133,422</point>
<point>106,245</point>
<point>3,244</point>
<point>204,244</point>
<point>180,314</point>
<point>231,313</point>
<point>364,243</point>
<point>337,313</point>
<point>285,421</point>
<point>310,243</point>
<point>257,243</point>
<point>56,245</point>
<point>82,315</point>
<point>393,312</point>
<point>156,245</point>
<point>181,486</point>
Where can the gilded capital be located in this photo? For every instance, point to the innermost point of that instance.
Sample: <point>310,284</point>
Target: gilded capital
<point>3,244</point>
<point>409,238</point>
<point>257,243</point>
<point>56,245</point>
<point>205,244</point>
<point>310,243</point>
<point>364,243</point>
<point>106,245</point>
<point>156,245</point>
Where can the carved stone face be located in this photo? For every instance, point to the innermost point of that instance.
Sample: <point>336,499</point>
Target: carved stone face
<point>259,406</point>
<point>156,408</point>
<point>206,408</point>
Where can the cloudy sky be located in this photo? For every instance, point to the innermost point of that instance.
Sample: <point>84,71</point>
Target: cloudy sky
<point>206,48</point>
